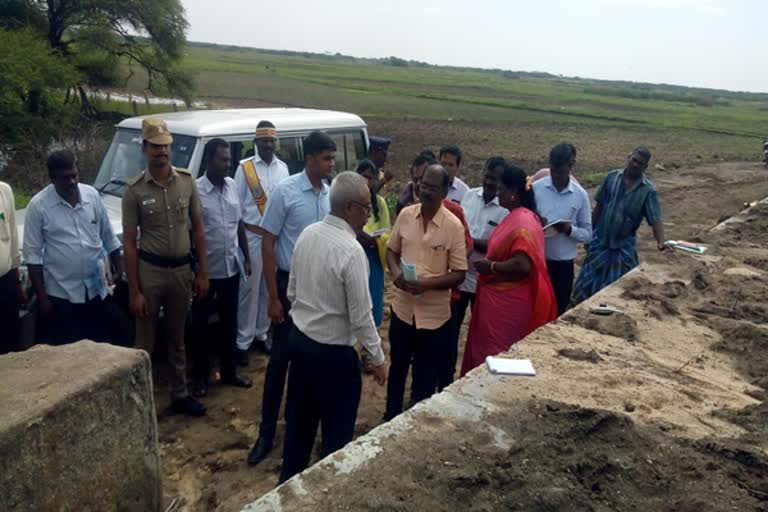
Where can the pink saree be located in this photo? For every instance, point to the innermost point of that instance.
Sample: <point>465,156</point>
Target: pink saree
<point>507,311</point>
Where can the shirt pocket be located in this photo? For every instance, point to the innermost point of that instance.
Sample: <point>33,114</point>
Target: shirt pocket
<point>90,227</point>
<point>232,212</point>
<point>152,214</point>
<point>181,210</point>
<point>436,261</point>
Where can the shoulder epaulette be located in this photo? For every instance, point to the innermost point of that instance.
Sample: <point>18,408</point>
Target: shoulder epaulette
<point>136,179</point>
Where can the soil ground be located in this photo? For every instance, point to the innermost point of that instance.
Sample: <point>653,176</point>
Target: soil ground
<point>623,466</point>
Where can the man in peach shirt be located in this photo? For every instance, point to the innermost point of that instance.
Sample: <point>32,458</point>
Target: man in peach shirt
<point>430,237</point>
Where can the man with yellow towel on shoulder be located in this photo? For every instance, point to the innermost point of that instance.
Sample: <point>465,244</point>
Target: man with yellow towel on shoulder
<point>255,179</point>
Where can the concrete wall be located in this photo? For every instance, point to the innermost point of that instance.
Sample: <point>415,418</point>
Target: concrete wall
<point>654,363</point>
<point>78,430</point>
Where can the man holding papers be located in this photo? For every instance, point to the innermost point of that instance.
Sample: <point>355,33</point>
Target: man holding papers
<point>428,236</point>
<point>565,206</point>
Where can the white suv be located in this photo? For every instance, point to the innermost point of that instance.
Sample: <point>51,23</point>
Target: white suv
<point>192,129</point>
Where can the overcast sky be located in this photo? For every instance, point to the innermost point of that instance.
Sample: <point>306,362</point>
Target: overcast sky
<point>706,43</point>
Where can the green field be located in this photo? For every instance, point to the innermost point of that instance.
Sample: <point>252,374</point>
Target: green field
<point>516,114</point>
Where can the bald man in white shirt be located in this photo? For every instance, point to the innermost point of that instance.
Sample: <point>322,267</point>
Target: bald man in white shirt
<point>331,310</point>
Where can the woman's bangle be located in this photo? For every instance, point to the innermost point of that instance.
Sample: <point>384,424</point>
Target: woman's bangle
<point>493,271</point>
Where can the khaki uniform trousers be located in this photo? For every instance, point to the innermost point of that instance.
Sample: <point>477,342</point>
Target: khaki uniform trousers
<point>170,288</point>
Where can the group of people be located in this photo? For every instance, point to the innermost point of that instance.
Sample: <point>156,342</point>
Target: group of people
<point>306,260</point>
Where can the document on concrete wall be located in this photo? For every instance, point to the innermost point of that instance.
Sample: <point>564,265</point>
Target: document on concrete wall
<point>501,366</point>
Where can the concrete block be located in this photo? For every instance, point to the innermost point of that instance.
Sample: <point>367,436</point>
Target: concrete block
<point>78,430</point>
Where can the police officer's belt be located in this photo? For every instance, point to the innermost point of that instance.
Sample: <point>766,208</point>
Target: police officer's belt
<point>162,261</point>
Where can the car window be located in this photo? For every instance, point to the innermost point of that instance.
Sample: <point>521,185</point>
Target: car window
<point>124,160</point>
<point>355,148</point>
<point>289,150</point>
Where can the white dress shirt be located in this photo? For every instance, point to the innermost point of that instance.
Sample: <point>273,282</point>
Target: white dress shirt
<point>10,254</point>
<point>70,242</point>
<point>269,176</point>
<point>457,190</point>
<point>328,288</point>
<point>222,213</point>
<point>482,218</point>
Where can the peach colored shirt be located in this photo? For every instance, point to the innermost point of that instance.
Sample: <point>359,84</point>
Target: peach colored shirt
<point>440,250</point>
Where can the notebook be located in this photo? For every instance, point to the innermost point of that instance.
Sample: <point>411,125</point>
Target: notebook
<point>502,366</point>
<point>378,232</point>
<point>550,230</point>
<point>686,246</point>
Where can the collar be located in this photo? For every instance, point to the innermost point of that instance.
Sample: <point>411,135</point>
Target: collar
<point>494,201</point>
<point>257,158</point>
<point>549,184</point>
<point>207,186</point>
<point>338,222</point>
<point>643,181</point>
<point>439,215</point>
<point>149,179</point>
<point>54,198</point>
<point>306,185</point>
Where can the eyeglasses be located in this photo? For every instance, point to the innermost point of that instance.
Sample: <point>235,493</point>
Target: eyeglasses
<point>429,188</point>
<point>365,206</point>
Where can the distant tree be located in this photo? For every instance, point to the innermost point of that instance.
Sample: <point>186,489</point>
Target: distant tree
<point>31,73</point>
<point>396,61</point>
<point>107,41</point>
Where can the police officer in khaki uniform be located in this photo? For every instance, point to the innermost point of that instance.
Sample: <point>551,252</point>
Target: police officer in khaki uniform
<point>160,205</point>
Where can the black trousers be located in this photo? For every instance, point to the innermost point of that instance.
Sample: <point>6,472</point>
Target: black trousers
<point>458,311</point>
<point>428,349</point>
<point>10,325</point>
<point>561,275</point>
<point>222,298</point>
<point>70,322</point>
<point>277,368</point>
<point>324,386</point>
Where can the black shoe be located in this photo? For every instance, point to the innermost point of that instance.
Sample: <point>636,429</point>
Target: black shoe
<point>237,381</point>
<point>241,357</point>
<point>199,388</point>
<point>188,406</point>
<point>264,345</point>
<point>259,451</point>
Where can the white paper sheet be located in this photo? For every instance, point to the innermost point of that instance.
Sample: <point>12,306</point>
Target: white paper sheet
<point>502,366</point>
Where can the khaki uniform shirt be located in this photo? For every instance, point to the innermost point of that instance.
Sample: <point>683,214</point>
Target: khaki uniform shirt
<point>162,213</point>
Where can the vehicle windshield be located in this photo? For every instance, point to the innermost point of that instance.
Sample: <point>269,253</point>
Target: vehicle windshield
<point>124,160</point>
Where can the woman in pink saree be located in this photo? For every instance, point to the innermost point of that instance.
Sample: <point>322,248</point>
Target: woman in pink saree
<point>514,294</point>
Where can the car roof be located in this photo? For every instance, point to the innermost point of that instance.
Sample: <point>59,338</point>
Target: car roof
<point>203,123</point>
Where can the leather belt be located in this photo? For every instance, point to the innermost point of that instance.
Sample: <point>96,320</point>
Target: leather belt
<point>162,261</point>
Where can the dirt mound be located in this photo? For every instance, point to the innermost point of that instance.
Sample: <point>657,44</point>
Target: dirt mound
<point>619,325</point>
<point>578,354</point>
<point>660,298</point>
<point>566,458</point>
<point>754,227</point>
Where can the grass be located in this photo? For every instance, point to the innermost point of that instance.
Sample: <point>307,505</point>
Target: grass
<point>21,198</point>
<point>592,179</point>
<point>491,111</point>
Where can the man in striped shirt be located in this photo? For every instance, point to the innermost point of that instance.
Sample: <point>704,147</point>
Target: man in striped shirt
<point>331,310</point>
